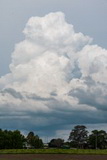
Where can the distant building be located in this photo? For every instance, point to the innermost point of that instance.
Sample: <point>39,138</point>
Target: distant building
<point>46,145</point>
<point>27,146</point>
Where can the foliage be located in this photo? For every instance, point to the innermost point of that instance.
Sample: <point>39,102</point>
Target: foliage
<point>56,143</point>
<point>78,136</point>
<point>98,139</point>
<point>15,140</point>
<point>34,141</point>
<point>11,139</point>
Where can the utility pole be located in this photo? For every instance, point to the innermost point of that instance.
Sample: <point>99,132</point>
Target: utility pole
<point>96,141</point>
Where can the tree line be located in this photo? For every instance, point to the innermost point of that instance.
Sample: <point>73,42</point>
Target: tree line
<point>79,137</point>
<point>16,140</point>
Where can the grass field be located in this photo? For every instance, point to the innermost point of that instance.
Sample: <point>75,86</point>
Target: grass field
<point>55,151</point>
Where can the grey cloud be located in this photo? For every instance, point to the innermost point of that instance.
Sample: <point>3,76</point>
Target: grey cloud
<point>91,98</point>
<point>53,94</point>
<point>12,92</point>
<point>56,121</point>
<point>76,72</point>
<point>38,98</point>
<point>25,95</point>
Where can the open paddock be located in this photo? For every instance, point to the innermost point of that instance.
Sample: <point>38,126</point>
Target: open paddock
<point>51,157</point>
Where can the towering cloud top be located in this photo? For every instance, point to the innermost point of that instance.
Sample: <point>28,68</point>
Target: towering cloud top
<point>55,73</point>
<point>52,30</point>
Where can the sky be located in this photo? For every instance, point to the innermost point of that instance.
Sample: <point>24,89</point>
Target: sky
<point>53,65</point>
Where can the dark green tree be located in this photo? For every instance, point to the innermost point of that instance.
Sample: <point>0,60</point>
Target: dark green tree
<point>17,140</point>
<point>98,139</point>
<point>1,139</point>
<point>78,136</point>
<point>30,139</point>
<point>34,141</point>
<point>11,139</point>
<point>56,143</point>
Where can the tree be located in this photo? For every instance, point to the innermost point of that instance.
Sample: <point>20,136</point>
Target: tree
<point>56,143</point>
<point>17,140</point>
<point>98,139</point>
<point>34,141</point>
<point>1,139</point>
<point>11,139</point>
<point>30,139</point>
<point>78,136</point>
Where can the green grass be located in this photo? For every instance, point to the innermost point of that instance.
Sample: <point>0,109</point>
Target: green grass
<point>53,151</point>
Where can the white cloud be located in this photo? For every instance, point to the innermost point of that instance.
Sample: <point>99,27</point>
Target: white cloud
<point>55,72</point>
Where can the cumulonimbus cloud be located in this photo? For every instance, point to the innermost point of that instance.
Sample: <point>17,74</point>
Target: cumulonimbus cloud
<point>55,73</point>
